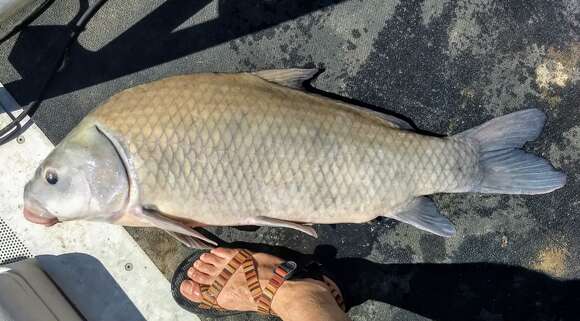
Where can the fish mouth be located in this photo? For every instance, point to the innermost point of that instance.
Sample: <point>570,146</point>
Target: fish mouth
<point>36,218</point>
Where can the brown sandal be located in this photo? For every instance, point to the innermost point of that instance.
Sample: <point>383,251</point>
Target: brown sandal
<point>262,297</point>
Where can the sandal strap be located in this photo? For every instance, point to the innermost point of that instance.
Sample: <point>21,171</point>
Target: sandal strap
<point>249,268</point>
<point>337,296</point>
<point>262,298</point>
<point>244,259</point>
<point>282,272</point>
<point>208,301</point>
<point>314,270</point>
<point>222,279</point>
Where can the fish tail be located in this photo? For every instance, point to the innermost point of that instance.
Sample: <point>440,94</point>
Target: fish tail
<point>504,167</point>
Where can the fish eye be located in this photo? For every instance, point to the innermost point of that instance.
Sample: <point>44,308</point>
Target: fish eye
<point>51,177</point>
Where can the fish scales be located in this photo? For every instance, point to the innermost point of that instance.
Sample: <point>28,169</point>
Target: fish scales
<point>217,148</point>
<point>253,149</point>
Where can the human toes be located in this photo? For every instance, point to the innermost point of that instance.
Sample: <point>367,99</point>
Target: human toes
<point>212,259</point>
<point>206,268</point>
<point>224,253</point>
<point>199,276</point>
<point>190,290</point>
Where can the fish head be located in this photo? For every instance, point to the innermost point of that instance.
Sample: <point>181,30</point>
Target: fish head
<point>83,178</point>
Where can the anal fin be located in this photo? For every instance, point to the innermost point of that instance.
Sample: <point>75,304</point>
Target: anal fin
<point>422,213</point>
<point>268,221</point>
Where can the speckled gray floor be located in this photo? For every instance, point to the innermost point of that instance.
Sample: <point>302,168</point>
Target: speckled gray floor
<point>446,65</point>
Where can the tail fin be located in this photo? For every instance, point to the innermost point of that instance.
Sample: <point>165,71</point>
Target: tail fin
<point>505,167</point>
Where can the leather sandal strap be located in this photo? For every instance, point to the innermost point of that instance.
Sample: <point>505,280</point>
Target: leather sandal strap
<point>244,259</point>
<point>282,273</point>
<point>208,302</point>
<point>314,270</point>
<point>233,265</point>
<point>263,298</point>
<point>249,268</point>
<point>336,294</point>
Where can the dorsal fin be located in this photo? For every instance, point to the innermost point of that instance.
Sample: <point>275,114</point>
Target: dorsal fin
<point>293,78</point>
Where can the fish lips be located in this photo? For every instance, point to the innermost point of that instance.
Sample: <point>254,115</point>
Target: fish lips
<point>35,213</point>
<point>39,218</point>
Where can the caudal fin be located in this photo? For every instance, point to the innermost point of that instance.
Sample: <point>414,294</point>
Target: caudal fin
<point>505,167</point>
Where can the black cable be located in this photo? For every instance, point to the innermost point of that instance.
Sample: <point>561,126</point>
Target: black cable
<point>14,129</point>
<point>27,20</point>
<point>84,20</point>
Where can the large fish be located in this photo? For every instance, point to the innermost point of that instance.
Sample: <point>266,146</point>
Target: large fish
<point>256,149</point>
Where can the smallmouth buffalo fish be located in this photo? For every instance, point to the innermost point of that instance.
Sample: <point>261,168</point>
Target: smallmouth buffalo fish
<point>218,149</point>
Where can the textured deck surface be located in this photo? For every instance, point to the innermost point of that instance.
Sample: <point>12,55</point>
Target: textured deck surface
<point>100,268</point>
<point>446,65</point>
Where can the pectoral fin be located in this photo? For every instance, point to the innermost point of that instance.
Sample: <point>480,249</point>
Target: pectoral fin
<point>157,219</point>
<point>422,214</point>
<point>267,221</point>
<point>190,241</point>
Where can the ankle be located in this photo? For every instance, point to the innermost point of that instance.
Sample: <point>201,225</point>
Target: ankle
<point>298,295</point>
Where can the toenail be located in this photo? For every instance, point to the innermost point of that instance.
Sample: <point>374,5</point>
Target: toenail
<point>187,286</point>
<point>196,264</point>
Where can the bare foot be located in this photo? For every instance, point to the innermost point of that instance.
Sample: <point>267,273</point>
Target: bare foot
<point>236,295</point>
